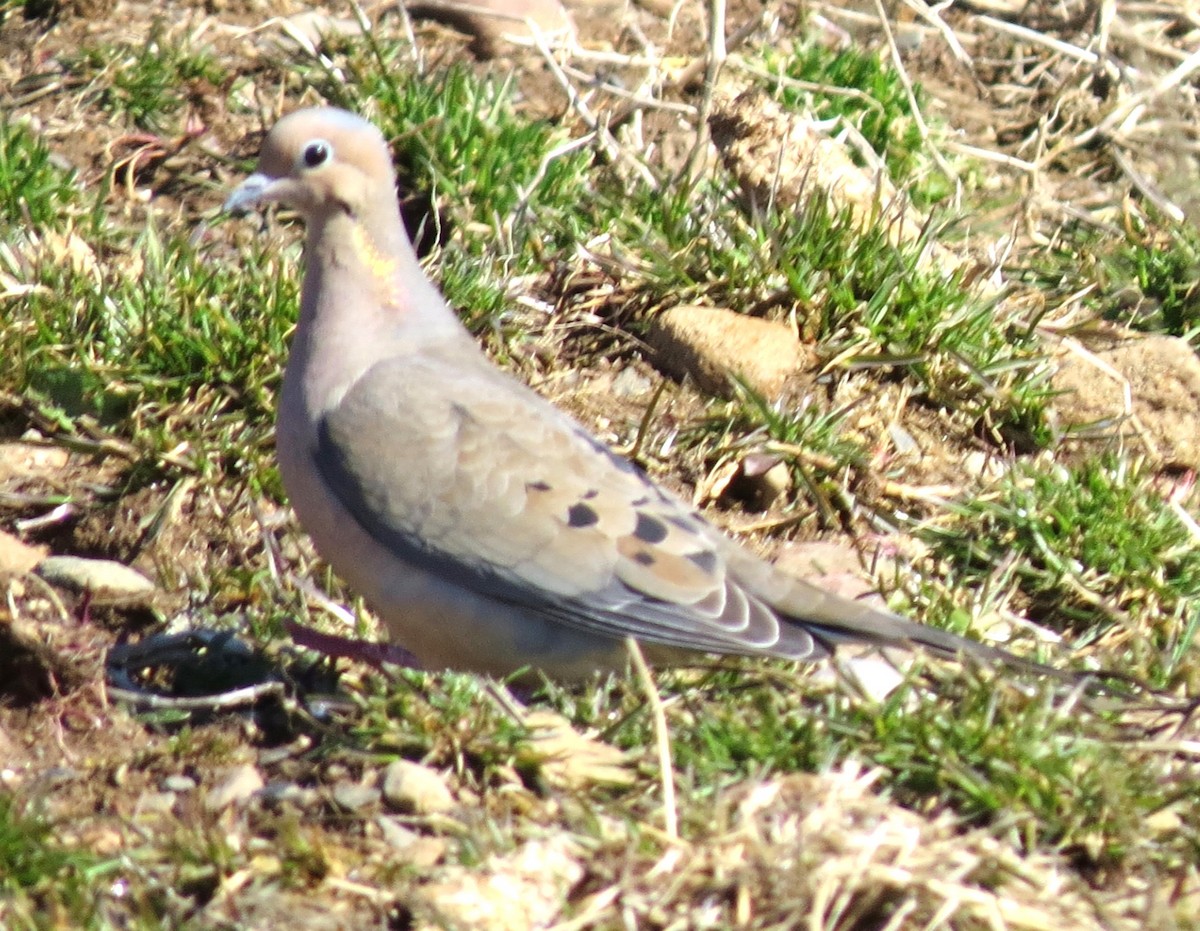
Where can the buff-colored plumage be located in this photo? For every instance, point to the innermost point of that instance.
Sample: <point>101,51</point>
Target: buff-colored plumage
<point>489,530</point>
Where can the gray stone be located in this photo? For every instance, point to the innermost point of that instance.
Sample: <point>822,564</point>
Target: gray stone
<point>351,797</point>
<point>238,785</point>
<point>411,787</point>
<point>105,581</point>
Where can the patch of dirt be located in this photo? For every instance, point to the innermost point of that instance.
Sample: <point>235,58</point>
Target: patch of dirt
<point>1143,392</point>
<point>178,535</point>
<point>31,668</point>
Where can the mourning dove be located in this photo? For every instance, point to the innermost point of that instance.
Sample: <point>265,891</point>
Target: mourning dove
<point>489,530</point>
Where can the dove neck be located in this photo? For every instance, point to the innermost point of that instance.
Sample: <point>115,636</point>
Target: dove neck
<point>365,275</point>
<point>365,300</point>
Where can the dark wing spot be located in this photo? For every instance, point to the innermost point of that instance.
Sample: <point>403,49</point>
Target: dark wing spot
<point>641,502</point>
<point>685,522</point>
<point>643,558</point>
<point>650,529</point>
<point>704,560</point>
<point>581,515</point>
<point>537,486</point>
<point>590,494</point>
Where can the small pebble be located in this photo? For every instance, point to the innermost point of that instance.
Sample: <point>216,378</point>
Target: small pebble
<point>984,465</point>
<point>350,796</point>
<point>411,787</point>
<point>630,383</point>
<point>106,581</point>
<point>903,440</point>
<point>178,784</point>
<point>418,851</point>
<point>155,803</point>
<point>490,23</point>
<point>875,676</point>
<point>16,556</point>
<point>288,793</point>
<point>59,775</point>
<point>713,344</point>
<point>239,784</point>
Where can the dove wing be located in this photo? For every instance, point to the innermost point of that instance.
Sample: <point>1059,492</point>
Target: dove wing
<point>472,477</point>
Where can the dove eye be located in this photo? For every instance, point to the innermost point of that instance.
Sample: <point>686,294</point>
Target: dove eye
<point>316,153</point>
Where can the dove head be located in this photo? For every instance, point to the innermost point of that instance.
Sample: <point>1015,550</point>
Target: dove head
<point>323,162</point>
<point>335,169</point>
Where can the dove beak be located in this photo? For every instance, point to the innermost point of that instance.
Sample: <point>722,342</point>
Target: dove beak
<point>251,193</point>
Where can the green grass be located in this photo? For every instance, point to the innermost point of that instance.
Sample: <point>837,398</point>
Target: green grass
<point>877,305</point>
<point>34,191</point>
<point>147,84</point>
<point>861,88</point>
<point>502,176</point>
<point>1145,277</point>
<point>804,434</point>
<point>42,883</point>
<point>1153,281</point>
<point>864,302</point>
<point>1028,763</point>
<point>161,325</point>
<point>1088,548</point>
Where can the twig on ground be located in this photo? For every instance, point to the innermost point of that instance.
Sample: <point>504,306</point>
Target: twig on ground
<point>662,738</point>
<point>714,62</point>
<point>608,143</point>
<point>1147,188</point>
<point>913,105</point>
<point>1040,38</point>
<point>234,698</point>
<point>930,15</point>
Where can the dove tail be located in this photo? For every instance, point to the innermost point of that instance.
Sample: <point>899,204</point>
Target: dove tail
<point>837,621</point>
<point>904,633</point>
